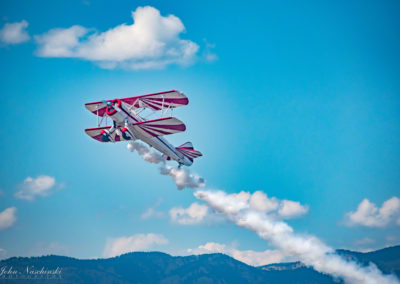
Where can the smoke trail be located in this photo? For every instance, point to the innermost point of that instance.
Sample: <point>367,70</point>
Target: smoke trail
<point>309,249</point>
<point>238,208</point>
<point>182,177</point>
<point>145,153</point>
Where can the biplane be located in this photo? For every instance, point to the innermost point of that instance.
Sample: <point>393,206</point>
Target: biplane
<point>129,123</point>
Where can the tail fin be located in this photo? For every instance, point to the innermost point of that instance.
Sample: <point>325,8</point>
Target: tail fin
<point>188,150</point>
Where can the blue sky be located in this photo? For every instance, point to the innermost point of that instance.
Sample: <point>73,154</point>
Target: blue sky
<point>298,100</point>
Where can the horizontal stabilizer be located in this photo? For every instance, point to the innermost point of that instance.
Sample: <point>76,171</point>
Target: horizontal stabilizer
<point>188,150</point>
<point>159,127</point>
<point>187,145</point>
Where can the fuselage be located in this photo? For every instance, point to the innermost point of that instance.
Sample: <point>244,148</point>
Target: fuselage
<point>125,117</point>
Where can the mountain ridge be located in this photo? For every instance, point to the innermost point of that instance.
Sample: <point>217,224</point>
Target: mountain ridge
<point>159,267</point>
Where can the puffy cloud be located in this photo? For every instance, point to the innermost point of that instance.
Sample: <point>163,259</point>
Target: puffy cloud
<point>369,215</point>
<point>7,217</point>
<point>138,242</point>
<point>151,42</point>
<point>194,214</point>
<point>254,258</point>
<point>33,187</point>
<point>260,201</point>
<point>14,33</point>
<point>291,209</point>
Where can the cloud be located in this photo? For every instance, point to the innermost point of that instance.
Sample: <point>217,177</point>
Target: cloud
<point>31,188</point>
<point>14,33</point>
<point>194,214</point>
<point>291,209</point>
<point>369,215</point>
<point>138,242</point>
<point>208,55</point>
<point>307,248</point>
<point>254,258</point>
<point>151,42</point>
<point>7,217</point>
<point>152,211</point>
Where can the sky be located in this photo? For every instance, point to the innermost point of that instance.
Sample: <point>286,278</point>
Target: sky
<point>295,101</point>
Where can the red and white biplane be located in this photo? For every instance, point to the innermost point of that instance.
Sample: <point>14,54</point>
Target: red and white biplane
<point>128,125</point>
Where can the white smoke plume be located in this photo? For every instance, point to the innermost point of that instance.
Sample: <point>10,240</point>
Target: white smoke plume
<point>240,209</point>
<point>145,153</point>
<point>182,177</point>
<point>308,249</point>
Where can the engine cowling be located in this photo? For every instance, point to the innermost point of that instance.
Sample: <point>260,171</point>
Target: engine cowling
<point>125,134</point>
<point>105,137</point>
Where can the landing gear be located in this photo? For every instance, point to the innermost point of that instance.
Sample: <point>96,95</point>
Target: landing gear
<point>180,165</point>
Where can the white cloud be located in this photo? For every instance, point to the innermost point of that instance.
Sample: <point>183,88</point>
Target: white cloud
<point>291,209</point>
<point>14,33</point>
<point>138,242</point>
<point>254,258</point>
<point>369,215</point>
<point>209,56</point>
<point>7,217</point>
<point>194,214</point>
<point>151,42</point>
<point>260,201</point>
<point>152,211</point>
<point>31,188</point>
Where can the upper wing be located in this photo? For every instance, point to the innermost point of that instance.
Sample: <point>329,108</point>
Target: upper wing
<point>159,127</point>
<point>98,108</point>
<point>156,101</point>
